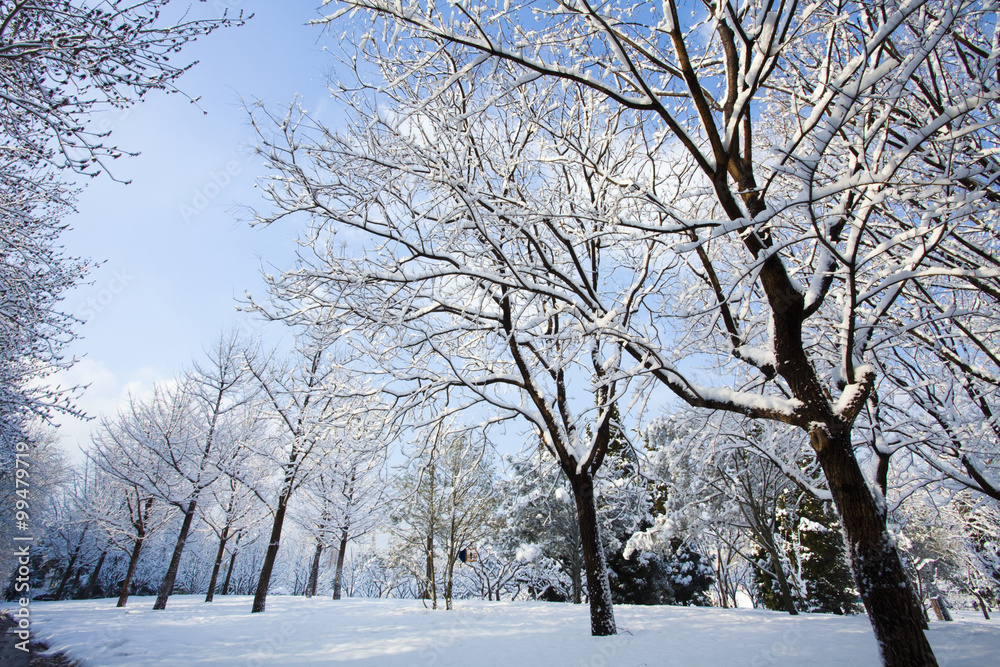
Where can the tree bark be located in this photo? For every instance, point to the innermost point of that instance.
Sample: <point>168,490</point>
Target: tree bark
<point>575,564</point>
<point>229,573</point>
<point>886,591</point>
<point>449,579</point>
<point>132,564</point>
<point>67,573</point>
<point>430,574</point>
<point>92,582</point>
<point>264,581</point>
<point>338,576</point>
<point>167,585</point>
<point>72,561</point>
<point>602,615</point>
<point>314,571</point>
<point>982,605</point>
<point>783,587</point>
<point>210,595</point>
<point>576,579</point>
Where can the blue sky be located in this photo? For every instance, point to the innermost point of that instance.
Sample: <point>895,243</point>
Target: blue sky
<point>175,254</point>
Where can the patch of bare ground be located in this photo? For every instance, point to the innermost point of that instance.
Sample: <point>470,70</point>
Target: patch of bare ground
<point>11,656</point>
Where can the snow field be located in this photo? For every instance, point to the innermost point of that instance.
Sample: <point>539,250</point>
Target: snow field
<point>395,633</point>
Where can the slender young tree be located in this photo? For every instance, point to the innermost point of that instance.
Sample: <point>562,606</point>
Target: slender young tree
<point>217,392</point>
<point>343,498</point>
<point>126,511</point>
<point>179,442</point>
<point>446,501</point>
<point>307,401</point>
<point>236,510</point>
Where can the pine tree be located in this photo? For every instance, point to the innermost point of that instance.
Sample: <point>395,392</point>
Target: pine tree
<point>829,586</point>
<point>645,578</point>
<point>690,575</point>
<point>815,559</point>
<point>543,523</point>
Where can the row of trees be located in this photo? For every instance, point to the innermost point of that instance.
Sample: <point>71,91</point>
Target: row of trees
<point>742,530</point>
<point>183,491</point>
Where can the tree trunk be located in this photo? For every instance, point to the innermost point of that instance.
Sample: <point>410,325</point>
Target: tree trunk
<point>886,591</point>
<point>783,587</point>
<point>602,615</point>
<point>72,562</point>
<point>721,580</point>
<point>575,565</point>
<point>449,582</point>
<point>264,581</point>
<point>982,605</point>
<point>314,571</point>
<point>92,582</point>
<point>431,580</point>
<point>576,578</point>
<point>67,573</point>
<point>218,564</point>
<point>167,585</point>
<point>229,573</point>
<point>132,564</point>
<point>338,576</point>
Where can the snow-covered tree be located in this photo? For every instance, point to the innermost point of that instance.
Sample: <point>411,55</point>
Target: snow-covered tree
<point>68,59</point>
<point>236,510</point>
<point>470,320</point>
<point>128,512</point>
<point>48,470</point>
<point>937,411</point>
<point>219,402</point>
<point>543,528</point>
<point>813,548</point>
<point>445,501</point>
<point>309,399</point>
<point>177,443</point>
<point>343,497</point>
<point>35,275</point>
<point>951,547</point>
<point>842,169</point>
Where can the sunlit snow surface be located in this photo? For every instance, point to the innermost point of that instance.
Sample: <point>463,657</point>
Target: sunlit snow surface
<point>386,633</point>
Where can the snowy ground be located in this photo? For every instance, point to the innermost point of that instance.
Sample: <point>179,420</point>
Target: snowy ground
<point>389,633</point>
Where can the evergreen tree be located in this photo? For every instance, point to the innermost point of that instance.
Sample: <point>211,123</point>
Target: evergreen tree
<point>814,557</point>
<point>676,576</point>
<point>829,586</point>
<point>642,579</point>
<point>544,527</point>
<point>690,575</point>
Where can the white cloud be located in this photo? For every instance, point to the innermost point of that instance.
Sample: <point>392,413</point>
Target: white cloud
<point>104,395</point>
